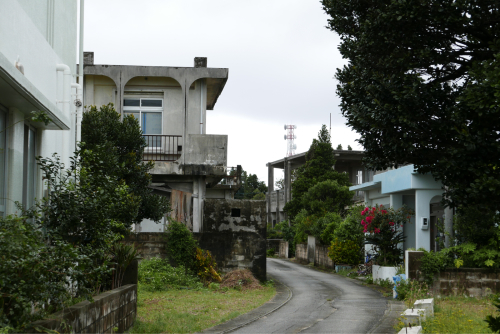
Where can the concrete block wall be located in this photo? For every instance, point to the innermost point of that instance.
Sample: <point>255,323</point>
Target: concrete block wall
<point>473,282</point>
<point>150,244</point>
<point>301,253</point>
<point>112,309</point>
<point>322,258</point>
<point>283,250</point>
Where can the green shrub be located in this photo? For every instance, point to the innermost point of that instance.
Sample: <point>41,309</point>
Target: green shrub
<point>157,274</point>
<point>348,252</point>
<point>273,233</point>
<point>206,267</point>
<point>270,252</point>
<point>34,272</point>
<point>181,245</point>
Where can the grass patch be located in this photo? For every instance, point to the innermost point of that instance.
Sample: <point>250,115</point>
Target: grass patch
<point>458,315</point>
<point>189,311</point>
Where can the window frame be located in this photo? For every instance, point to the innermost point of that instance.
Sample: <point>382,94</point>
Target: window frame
<point>127,110</point>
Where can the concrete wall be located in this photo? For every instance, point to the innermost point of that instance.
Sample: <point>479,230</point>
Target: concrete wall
<point>301,253</point>
<point>115,308</point>
<point>471,282</point>
<point>284,248</point>
<point>149,245</point>
<point>235,232</point>
<point>322,259</point>
<point>274,244</point>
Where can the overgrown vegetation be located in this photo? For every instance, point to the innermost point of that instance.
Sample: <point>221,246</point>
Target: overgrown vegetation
<point>66,245</point>
<point>157,274</point>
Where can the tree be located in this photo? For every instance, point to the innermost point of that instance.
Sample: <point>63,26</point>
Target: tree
<point>349,148</point>
<point>124,146</point>
<point>422,87</point>
<point>251,187</point>
<point>339,147</point>
<point>318,168</point>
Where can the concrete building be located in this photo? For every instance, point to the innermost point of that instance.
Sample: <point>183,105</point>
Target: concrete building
<point>347,162</point>
<point>38,47</point>
<point>171,104</point>
<point>420,192</point>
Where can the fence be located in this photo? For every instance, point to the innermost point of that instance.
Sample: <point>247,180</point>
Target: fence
<point>162,147</point>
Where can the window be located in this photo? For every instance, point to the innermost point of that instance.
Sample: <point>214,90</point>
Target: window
<point>235,212</point>
<point>29,167</point>
<point>3,153</point>
<point>149,112</point>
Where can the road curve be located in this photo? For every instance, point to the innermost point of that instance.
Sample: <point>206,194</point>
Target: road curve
<point>321,303</point>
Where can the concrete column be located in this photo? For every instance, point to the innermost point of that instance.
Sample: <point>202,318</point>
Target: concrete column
<point>196,206</point>
<point>278,218</point>
<point>448,226</point>
<point>423,210</point>
<point>15,160</point>
<point>396,201</point>
<point>289,190</point>
<point>285,184</point>
<point>368,201</point>
<point>270,187</point>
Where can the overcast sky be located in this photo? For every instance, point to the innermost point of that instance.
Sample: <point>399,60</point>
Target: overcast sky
<point>280,56</point>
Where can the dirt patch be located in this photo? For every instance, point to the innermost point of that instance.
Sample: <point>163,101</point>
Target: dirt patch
<point>240,279</point>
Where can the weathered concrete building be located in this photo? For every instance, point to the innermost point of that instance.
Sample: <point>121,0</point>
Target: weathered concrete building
<point>347,161</point>
<point>171,104</point>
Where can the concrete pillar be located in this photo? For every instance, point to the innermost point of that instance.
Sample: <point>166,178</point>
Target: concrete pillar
<point>15,160</point>
<point>289,190</point>
<point>270,187</point>
<point>286,184</point>
<point>368,201</point>
<point>278,218</point>
<point>396,201</point>
<point>448,226</point>
<point>196,206</point>
<point>423,210</point>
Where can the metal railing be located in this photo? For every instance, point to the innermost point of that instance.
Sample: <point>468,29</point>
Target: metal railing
<point>162,147</point>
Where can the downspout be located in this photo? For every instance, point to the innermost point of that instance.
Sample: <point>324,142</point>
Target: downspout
<point>66,95</point>
<point>79,90</point>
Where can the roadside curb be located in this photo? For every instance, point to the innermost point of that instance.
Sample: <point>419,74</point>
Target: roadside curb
<point>392,313</point>
<point>283,296</point>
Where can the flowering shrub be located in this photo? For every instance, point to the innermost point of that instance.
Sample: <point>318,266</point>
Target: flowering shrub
<point>384,231</point>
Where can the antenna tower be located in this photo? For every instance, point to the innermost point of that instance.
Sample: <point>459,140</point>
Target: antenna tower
<point>289,137</point>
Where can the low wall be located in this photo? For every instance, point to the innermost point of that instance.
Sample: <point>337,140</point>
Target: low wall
<point>148,244</point>
<point>283,250</point>
<point>383,273</point>
<point>301,253</point>
<point>274,244</point>
<point>112,309</point>
<point>473,282</point>
<point>322,258</point>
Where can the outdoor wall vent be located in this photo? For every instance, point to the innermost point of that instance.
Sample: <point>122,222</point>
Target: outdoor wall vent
<point>235,212</point>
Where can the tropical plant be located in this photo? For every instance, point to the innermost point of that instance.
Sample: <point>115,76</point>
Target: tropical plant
<point>206,267</point>
<point>180,245</point>
<point>384,232</point>
<point>346,252</point>
<point>122,256</point>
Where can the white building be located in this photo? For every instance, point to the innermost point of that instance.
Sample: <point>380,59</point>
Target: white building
<point>41,38</point>
<point>419,192</point>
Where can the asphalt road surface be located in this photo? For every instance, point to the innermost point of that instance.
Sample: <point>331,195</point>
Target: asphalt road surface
<point>321,303</point>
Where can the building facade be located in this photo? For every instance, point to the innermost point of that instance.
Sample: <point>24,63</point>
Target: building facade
<point>38,47</point>
<point>419,192</point>
<point>171,105</point>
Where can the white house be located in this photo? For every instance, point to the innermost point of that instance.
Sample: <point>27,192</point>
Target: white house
<point>420,192</point>
<point>38,47</point>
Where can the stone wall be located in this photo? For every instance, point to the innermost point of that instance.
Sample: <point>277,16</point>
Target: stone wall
<point>235,232</point>
<point>473,282</point>
<point>274,244</point>
<point>112,309</point>
<point>301,253</point>
<point>322,258</point>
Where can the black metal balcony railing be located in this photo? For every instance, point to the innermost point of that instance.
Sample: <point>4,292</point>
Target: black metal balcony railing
<point>162,147</point>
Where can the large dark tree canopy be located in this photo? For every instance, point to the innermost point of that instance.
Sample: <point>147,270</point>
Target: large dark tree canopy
<point>422,86</point>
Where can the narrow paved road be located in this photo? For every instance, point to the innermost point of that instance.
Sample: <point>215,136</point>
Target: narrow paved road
<point>321,303</point>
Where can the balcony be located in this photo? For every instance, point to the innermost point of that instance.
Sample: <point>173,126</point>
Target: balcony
<point>231,179</point>
<point>162,147</point>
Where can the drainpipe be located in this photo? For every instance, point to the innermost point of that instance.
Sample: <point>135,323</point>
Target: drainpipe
<point>66,98</point>
<point>79,107</point>
<point>79,91</point>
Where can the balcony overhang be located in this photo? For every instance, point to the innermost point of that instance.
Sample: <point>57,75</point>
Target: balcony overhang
<point>16,91</point>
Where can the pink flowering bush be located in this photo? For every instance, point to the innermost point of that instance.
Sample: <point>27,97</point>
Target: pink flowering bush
<point>383,228</point>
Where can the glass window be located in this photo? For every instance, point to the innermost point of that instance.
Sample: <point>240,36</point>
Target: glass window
<point>149,114</point>
<point>2,161</point>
